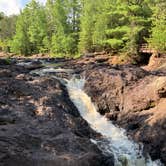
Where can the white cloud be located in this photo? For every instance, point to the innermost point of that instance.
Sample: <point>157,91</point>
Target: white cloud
<point>14,6</point>
<point>42,1</point>
<point>9,8</point>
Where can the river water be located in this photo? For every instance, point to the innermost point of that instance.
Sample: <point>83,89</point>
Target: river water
<point>114,139</point>
<point>126,152</point>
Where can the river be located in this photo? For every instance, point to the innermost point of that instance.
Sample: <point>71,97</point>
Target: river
<point>114,140</point>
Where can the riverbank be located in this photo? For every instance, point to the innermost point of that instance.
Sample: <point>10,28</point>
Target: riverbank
<point>132,97</point>
<point>39,109</point>
<point>39,125</point>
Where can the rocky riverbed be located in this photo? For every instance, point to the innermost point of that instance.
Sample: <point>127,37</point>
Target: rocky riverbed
<point>39,125</point>
<point>132,97</point>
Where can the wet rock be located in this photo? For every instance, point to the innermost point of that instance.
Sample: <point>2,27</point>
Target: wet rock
<point>30,65</point>
<point>4,62</point>
<point>134,99</point>
<point>5,73</point>
<point>111,116</point>
<point>40,126</point>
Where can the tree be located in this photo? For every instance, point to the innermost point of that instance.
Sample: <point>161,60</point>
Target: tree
<point>74,23</point>
<point>139,14</point>
<point>117,25</point>
<point>64,25</point>
<point>37,30</point>
<point>61,29</point>
<point>7,30</point>
<point>20,43</point>
<point>7,27</point>
<point>158,36</point>
<point>88,20</point>
<point>100,25</point>
<point>31,30</point>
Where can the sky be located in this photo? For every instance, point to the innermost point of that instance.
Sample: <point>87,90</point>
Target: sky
<point>10,7</point>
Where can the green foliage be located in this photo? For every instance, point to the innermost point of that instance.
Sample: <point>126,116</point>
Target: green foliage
<point>87,25</point>
<point>114,44</point>
<point>7,30</point>
<point>8,61</point>
<point>31,30</point>
<point>7,26</point>
<point>2,45</point>
<point>158,37</point>
<point>20,43</point>
<point>64,22</point>
<point>66,27</point>
<point>118,32</point>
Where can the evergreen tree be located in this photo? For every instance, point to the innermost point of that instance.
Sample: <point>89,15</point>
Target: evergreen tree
<point>7,30</point>
<point>88,20</point>
<point>7,26</point>
<point>20,43</point>
<point>59,16</point>
<point>117,25</point>
<point>158,37</point>
<point>37,29</point>
<point>74,23</point>
<point>31,30</point>
<point>139,14</point>
<point>64,22</point>
<point>63,26</point>
<point>100,25</point>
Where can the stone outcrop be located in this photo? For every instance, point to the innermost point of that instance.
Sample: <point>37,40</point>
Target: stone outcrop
<point>133,98</point>
<point>39,125</point>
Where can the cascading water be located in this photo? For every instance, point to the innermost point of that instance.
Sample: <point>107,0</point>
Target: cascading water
<point>126,152</point>
<point>114,141</point>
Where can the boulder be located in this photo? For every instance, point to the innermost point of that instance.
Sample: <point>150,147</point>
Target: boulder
<point>134,99</point>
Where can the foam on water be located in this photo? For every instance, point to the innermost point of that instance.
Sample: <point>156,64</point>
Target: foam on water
<point>114,141</point>
<point>126,152</point>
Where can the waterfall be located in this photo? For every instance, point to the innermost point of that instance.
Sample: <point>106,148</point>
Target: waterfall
<point>126,152</point>
<point>114,139</point>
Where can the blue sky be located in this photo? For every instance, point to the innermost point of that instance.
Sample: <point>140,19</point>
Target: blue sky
<point>10,7</point>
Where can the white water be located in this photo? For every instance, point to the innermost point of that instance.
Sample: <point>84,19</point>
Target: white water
<point>44,71</point>
<point>126,152</point>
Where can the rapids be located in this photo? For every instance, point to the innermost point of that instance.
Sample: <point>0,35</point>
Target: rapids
<point>126,152</point>
<point>114,139</point>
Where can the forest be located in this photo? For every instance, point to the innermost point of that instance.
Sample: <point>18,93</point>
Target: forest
<point>75,27</point>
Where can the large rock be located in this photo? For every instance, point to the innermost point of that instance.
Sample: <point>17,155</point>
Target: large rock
<point>133,98</point>
<point>40,126</point>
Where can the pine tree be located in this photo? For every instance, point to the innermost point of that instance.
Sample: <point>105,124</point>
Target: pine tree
<point>74,23</point>
<point>7,27</point>
<point>139,14</point>
<point>117,25</point>
<point>64,25</point>
<point>100,25</point>
<point>31,30</point>
<point>59,16</point>
<point>87,25</point>
<point>158,37</point>
<point>7,30</point>
<point>37,30</point>
<point>20,43</point>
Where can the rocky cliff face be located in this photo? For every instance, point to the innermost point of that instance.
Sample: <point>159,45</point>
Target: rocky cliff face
<point>39,125</point>
<point>133,98</point>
